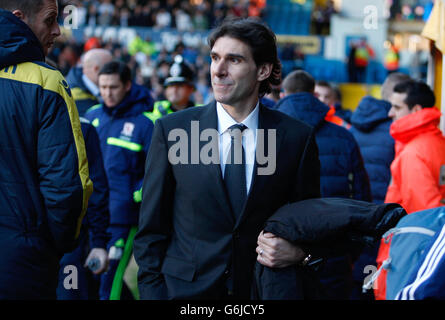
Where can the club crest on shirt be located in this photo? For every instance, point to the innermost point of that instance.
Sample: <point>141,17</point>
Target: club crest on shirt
<point>127,130</point>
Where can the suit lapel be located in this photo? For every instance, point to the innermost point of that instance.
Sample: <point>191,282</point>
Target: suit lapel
<point>266,122</point>
<point>211,173</point>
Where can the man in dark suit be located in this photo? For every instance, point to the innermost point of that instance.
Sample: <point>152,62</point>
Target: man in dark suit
<point>200,219</point>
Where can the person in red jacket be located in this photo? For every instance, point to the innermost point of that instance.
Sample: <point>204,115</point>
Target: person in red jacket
<point>418,169</point>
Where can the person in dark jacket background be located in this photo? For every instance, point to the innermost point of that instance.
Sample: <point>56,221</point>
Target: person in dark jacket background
<point>125,135</point>
<point>342,172</point>
<point>332,98</point>
<point>370,127</point>
<point>83,79</point>
<point>44,180</point>
<point>93,236</point>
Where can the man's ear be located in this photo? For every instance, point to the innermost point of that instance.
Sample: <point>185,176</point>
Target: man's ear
<point>128,86</point>
<point>19,14</point>
<point>416,108</point>
<point>264,71</point>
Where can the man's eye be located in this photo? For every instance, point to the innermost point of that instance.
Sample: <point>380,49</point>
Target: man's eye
<point>50,21</point>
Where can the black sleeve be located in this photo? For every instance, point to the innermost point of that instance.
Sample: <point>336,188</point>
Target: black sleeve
<point>308,176</point>
<point>155,218</point>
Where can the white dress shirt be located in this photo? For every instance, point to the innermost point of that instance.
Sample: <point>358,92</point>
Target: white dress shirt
<point>249,139</point>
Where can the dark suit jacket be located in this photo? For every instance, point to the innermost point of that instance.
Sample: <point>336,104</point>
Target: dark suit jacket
<point>188,237</point>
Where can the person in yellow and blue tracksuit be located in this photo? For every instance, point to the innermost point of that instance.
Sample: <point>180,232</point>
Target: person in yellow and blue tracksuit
<point>44,180</point>
<point>83,79</point>
<point>90,257</point>
<point>125,136</point>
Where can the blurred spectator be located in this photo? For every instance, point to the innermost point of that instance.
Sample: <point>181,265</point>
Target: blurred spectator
<point>391,58</point>
<point>136,17</point>
<point>390,82</point>
<point>328,11</point>
<point>317,18</point>
<point>83,80</point>
<point>339,110</point>
<point>68,57</point>
<point>325,93</point>
<point>92,15</point>
<point>239,9</point>
<point>256,7</point>
<point>348,180</point>
<point>183,20</point>
<point>218,17</point>
<point>200,20</point>
<point>179,87</point>
<point>146,46</point>
<point>92,43</point>
<point>360,54</point>
<point>163,19</point>
<point>124,17</point>
<point>106,11</point>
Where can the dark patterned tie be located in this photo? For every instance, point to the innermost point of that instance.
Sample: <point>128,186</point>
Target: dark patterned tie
<point>235,170</point>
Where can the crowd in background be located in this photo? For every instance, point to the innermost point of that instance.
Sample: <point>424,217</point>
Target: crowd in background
<point>150,61</point>
<point>177,14</point>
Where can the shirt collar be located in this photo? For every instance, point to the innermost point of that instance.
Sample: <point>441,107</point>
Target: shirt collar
<point>225,120</point>
<point>90,85</point>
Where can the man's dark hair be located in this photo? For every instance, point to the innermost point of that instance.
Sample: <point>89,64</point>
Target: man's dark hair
<point>28,7</point>
<point>117,67</point>
<point>261,40</point>
<point>337,93</point>
<point>323,83</point>
<point>417,93</point>
<point>298,81</point>
<point>390,82</point>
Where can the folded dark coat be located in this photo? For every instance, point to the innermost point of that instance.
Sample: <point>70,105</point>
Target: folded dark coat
<point>322,227</point>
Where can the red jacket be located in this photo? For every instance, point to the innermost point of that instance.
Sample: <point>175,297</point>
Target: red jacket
<point>418,169</point>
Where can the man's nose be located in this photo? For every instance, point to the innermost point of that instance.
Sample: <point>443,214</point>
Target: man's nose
<point>391,113</point>
<point>220,68</point>
<point>106,92</point>
<point>56,30</point>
